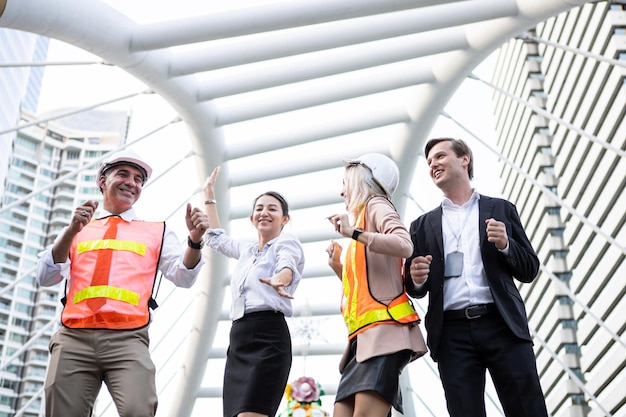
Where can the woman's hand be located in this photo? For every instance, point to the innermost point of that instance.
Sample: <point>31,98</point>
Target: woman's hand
<point>334,258</point>
<point>279,281</point>
<point>209,184</point>
<point>341,223</point>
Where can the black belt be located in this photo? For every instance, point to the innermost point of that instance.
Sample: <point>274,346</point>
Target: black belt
<point>471,312</point>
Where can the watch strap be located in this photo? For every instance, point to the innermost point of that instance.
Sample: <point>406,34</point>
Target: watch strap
<point>356,233</point>
<point>192,244</point>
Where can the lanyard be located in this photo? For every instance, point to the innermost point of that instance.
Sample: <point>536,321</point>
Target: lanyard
<point>457,237</point>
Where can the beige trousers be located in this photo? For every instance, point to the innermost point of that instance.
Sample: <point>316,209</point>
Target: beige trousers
<point>82,359</point>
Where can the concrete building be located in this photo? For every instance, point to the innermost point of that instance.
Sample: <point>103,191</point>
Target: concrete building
<point>34,207</point>
<point>554,77</point>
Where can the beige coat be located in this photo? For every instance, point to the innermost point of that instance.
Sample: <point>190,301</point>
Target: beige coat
<point>389,241</point>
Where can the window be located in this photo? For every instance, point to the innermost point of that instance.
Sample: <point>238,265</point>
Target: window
<point>47,173</point>
<point>8,384</point>
<point>22,308</point>
<point>21,323</point>
<point>56,136</point>
<point>24,293</point>
<point>26,143</point>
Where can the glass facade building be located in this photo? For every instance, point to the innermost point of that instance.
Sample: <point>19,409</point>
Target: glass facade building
<point>561,121</point>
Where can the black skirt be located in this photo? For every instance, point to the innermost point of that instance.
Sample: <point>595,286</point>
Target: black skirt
<point>380,374</point>
<point>258,362</point>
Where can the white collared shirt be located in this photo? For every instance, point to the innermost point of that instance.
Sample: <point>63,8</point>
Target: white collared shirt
<point>460,227</point>
<point>170,264</point>
<point>284,251</point>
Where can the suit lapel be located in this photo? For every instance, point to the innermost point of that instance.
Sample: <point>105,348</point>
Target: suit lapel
<point>435,225</point>
<point>485,208</point>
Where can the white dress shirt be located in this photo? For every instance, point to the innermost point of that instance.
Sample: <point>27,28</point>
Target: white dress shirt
<point>284,251</point>
<point>460,232</point>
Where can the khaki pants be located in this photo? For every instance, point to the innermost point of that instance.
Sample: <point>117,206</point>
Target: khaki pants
<point>81,359</point>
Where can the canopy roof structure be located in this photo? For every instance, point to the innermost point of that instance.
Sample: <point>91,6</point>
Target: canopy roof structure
<point>321,79</point>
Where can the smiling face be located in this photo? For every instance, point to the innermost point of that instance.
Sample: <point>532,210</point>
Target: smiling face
<point>446,169</point>
<point>268,216</point>
<point>121,187</point>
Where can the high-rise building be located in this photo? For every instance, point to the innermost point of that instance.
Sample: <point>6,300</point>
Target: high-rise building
<point>51,170</point>
<point>35,76</point>
<point>560,117</point>
<point>19,85</point>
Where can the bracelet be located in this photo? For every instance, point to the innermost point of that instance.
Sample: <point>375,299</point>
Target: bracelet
<point>210,201</point>
<point>192,244</point>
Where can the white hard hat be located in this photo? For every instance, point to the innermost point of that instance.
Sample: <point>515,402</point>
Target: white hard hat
<point>126,157</point>
<point>384,171</point>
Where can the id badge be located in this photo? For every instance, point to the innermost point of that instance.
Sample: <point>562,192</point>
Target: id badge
<point>454,265</point>
<point>239,307</point>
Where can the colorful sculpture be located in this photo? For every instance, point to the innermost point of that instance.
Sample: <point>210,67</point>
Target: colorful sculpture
<point>303,399</point>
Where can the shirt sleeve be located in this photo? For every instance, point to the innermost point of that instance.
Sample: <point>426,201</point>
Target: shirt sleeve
<point>220,242</point>
<point>290,254</point>
<point>171,263</point>
<point>48,273</point>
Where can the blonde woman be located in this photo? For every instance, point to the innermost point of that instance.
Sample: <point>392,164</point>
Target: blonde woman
<point>383,330</point>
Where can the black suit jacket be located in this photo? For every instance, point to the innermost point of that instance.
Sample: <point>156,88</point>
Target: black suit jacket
<point>521,263</point>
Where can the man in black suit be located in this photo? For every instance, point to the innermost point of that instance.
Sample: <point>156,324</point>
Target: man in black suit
<point>467,253</point>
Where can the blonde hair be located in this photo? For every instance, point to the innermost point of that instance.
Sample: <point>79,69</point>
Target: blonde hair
<point>357,189</point>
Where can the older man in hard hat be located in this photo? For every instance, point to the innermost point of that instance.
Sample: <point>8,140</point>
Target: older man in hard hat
<point>111,261</point>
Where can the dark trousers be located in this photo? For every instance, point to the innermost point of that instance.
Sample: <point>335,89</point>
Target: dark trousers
<point>468,349</point>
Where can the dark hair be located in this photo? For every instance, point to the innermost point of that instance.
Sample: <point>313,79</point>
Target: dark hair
<point>277,196</point>
<point>459,147</point>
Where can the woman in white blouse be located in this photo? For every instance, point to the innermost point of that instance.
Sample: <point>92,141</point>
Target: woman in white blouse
<point>262,284</point>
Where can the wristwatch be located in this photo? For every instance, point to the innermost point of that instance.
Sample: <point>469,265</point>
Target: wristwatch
<point>194,245</point>
<point>356,233</point>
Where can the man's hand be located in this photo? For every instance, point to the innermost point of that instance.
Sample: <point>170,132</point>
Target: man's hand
<point>197,223</point>
<point>82,216</point>
<point>496,233</point>
<point>420,268</point>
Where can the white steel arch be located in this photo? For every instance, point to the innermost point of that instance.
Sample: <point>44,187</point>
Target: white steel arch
<point>279,59</point>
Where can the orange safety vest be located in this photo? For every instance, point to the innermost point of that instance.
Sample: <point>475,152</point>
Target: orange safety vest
<point>361,310</point>
<point>132,275</point>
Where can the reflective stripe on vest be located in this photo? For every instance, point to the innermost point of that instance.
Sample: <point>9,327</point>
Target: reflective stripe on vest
<point>359,307</point>
<point>132,275</point>
<point>138,248</point>
<point>106,291</point>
